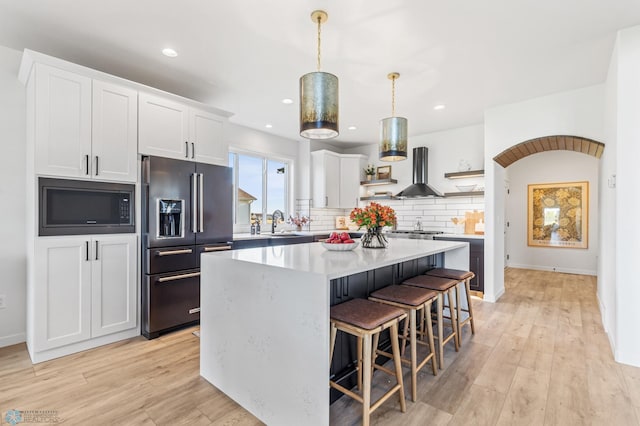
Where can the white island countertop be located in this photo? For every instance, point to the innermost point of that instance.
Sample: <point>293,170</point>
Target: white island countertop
<point>264,321</point>
<point>315,259</point>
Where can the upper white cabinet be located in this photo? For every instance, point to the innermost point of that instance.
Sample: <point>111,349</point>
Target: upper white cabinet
<point>335,179</point>
<point>114,132</point>
<point>174,130</point>
<point>62,127</point>
<point>83,128</point>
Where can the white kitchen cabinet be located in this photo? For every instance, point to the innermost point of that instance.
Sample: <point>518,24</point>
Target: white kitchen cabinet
<point>336,179</point>
<point>325,176</point>
<point>84,287</point>
<point>62,293</point>
<point>83,128</point>
<point>114,132</point>
<point>62,127</point>
<point>351,169</point>
<point>173,130</point>
<point>113,284</point>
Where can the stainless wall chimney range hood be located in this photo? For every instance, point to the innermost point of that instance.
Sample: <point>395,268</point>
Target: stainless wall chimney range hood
<point>420,187</point>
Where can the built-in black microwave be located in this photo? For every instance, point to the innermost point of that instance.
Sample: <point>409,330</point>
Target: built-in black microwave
<point>73,207</point>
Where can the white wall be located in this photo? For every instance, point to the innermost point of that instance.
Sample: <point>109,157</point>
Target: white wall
<point>627,253</point>
<point>577,113</point>
<point>12,191</point>
<point>551,167</point>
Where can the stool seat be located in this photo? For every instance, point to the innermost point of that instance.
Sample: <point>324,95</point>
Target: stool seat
<point>364,313</point>
<point>412,296</point>
<point>455,274</point>
<point>431,282</point>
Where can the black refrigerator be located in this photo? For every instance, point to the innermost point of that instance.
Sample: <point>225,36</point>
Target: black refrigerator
<point>186,211</point>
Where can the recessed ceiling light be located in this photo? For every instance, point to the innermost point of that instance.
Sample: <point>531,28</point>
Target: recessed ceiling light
<point>268,126</point>
<point>169,52</point>
<point>352,127</point>
<point>287,101</point>
<point>439,107</point>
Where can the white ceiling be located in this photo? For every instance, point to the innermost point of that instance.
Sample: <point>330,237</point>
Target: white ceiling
<point>245,56</point>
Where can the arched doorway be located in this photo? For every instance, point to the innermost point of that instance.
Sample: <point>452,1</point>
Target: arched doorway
<point>549,143</point>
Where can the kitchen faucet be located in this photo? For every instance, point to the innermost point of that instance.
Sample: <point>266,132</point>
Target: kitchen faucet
<point>274,222</point>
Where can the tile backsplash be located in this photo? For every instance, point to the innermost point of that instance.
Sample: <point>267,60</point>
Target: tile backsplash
<point>435,213</point>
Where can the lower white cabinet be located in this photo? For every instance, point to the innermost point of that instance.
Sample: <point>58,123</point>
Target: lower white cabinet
<point>84,287</point>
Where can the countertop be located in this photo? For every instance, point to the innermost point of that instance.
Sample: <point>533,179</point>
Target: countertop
<point>315,259</point>
<point>469,236</point>
<point>248,236</point>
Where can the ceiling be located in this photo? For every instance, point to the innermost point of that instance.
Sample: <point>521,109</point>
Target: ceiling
<point>245,56</point>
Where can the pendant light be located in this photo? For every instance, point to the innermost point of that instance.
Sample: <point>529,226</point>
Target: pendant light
<point>393,130</point>
<point>319,97</point>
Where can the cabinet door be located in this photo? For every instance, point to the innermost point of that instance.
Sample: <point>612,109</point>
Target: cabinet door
<point>62,292</point>
<point>326,179</point>
<point>205,138</point>
<point>350,174</point>
<point>113,283</point>
<point>163,127</point>
<point>114,132</point>
<point>62,123</point>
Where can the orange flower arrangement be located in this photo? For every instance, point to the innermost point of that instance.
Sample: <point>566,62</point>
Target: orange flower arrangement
<point>374,216</point>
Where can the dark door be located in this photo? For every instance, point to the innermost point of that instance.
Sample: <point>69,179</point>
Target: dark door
<point>167,184</point>
<point>217,196</point>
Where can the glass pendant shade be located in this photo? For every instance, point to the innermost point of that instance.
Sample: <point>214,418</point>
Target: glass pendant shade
<point>319,105</point>
<point>393,139</point>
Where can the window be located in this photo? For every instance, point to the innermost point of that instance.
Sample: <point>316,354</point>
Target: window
<point>261,186</point>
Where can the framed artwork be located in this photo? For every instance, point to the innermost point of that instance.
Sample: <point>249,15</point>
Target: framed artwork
<point>558,215</point>
<point>383,172</point>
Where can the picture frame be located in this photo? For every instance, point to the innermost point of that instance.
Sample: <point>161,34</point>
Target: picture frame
<point>383,172</point>
<point>558,215</point>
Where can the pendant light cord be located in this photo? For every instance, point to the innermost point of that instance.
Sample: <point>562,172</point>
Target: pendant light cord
<point>393,97</point>
<point>319,25</point>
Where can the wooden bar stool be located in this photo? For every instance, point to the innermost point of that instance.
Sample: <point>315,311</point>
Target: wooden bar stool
<point>412,300</point>
<point>462,277</point>
<point>442,286</point>
<point>365,319</point>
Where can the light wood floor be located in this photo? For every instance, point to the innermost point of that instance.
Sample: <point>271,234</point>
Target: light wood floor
<point>539,357</point>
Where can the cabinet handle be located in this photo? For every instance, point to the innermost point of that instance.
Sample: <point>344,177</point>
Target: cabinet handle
<point>96,165</point>
<point>97,250</point>
<point>194,311</point>
<point>173,252</point>
<point>326,201</point>
<point>193,150</point>
<point>178,277</point>
<point>219,248</point>
<point>186,146</point>
<point>86,247</point>
<point>86,164</point>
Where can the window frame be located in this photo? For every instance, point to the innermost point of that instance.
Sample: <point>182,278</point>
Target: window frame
<point>289,185</point>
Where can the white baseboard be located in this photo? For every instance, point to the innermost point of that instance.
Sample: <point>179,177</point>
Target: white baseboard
<point>12,339</point>
<point>555,269</point>
<point>493,298</point>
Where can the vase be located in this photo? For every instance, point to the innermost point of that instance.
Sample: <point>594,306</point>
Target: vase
<point>369,177</point>
<point>298,228</point>
<point>374,238</point>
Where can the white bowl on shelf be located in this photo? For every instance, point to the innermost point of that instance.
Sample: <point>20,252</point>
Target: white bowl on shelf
<point>340,247</point>
<point>466,188</point>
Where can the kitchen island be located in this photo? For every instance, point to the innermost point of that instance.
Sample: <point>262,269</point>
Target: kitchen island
<point>264,321</point>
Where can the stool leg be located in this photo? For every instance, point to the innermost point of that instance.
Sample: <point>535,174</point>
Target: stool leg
<point>359,350</point>
<point>414,355</point>
<point>432,348</point>
<point>332,338</point>
<point>458,312</point>
<point>366,373</point>
<point>398,364</point>
<point>454,319</point>
<point>440,331</point>
<point>374,352</point>
<point>404,334</point>
<point>467,287</point>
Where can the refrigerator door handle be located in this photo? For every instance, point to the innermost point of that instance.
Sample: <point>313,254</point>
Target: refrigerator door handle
<point>194,202</point>
<point>200,202</point>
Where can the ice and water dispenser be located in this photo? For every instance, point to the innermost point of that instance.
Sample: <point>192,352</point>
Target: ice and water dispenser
<point>171,218</point>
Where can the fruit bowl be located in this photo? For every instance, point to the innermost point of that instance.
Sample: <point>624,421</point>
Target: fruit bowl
<point>466,188</point>
<point>340,247</point>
